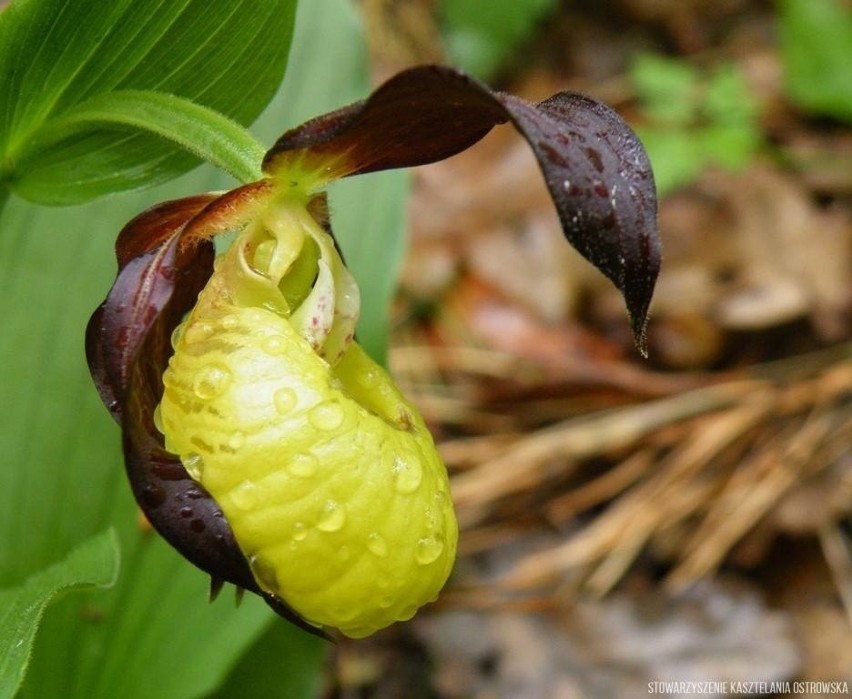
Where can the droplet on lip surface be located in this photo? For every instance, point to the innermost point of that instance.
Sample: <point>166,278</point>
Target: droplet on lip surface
<point>158,418</point>
<point>377,545</point>
<point>211,381</point>
<point>273,345</point>
<point>429,548</point>
<point>236,440</point>
<point>407,473</point>
<point>197,332</point>
<point>303,465</point>
<point>285,400</point>
<point>194,465</point>
<point>326,416</point>
<point>244,495</point>
<point>332,518</point>
<point>264,572</point>
<point>300,531</point>
<point>230,322</point>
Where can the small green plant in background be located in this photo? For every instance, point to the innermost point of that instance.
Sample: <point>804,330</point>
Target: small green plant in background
<point>481,35</point>
<point>816,52</point>
<point>694,119</point>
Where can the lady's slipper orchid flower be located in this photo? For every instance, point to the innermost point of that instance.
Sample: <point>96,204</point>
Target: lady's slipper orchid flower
<point>259,439</point>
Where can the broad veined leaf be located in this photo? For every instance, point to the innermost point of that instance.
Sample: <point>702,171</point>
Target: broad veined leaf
<point>195,128</point>
<point>93,563</point>
<point>284,664</point>
<point>57,55</point>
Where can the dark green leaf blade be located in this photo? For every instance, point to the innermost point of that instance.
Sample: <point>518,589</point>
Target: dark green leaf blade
<point>195,128</point>
<point>93,563</point>
<point>54,55</point>
<point>283,664</point>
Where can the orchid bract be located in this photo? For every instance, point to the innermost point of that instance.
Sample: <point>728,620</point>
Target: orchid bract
<point>260,440</point>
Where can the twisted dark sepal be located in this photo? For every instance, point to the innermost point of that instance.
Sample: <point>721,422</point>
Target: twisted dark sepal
<point>128,345</point>
<point>595,167</point>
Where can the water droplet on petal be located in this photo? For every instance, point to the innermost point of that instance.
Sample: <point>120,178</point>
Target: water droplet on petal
<point>264,573</point>
<point>194,465</point>
<point>345,614</point>
<point>386,602</point>
<point>300,531</point>
<point>326,416</point>
<point>169,377</point>
<point>244,495</point>
<point>236,440</point>
<point>407,612</point>
<point>273,345</point>
<point>407,472</point>
<point>197,332</point>
<point>211,381</point>
<point>176,335</point>
<point>158,418</point>
<point>377,545</point>
<point>428,550</point>
<point>369,378</point>
<point>332,518</point>
<point>285,400</point>
<point>303,465</point>
<point>230,322</point>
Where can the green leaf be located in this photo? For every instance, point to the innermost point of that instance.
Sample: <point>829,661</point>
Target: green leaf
<point>728,99</point>
<point>676,156</point>
<point>693,119</point>
<point>480,39</point>
<point>816,51</point>
<point>93,563</point>
<point>55,55</point>
<point>283,664</point>
<point>195,128</point>
<point>666,87</point>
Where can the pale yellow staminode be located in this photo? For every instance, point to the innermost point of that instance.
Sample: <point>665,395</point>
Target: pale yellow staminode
<point>326,473</point>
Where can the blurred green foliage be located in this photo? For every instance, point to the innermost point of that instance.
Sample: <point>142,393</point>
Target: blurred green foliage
<point>816,51</point>
<point>481,35</point>
<point>693,119</point>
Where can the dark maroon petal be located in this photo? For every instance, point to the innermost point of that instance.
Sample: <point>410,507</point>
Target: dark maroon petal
<point>151,228</point>
<point>228,212</point>
<point>419,116</point>
<point>601,182</point>
<point>128,342</point>
<point>180,509</point>
<point>109,334</point>
<point>595,167</point>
